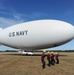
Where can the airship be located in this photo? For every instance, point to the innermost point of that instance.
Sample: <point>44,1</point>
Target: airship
<point>38,34</point>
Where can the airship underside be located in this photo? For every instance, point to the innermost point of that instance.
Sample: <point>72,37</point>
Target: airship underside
<point>37,34</point>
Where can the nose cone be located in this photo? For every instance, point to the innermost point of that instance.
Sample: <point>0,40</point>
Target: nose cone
<point>62,29</point>
<point>71,30</point>
<point>67,29</point>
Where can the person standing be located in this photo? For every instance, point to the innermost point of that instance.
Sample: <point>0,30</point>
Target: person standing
<point>43,59</point>
<point>52,58</point>
<point>57,58</point>
<point>49,59</point>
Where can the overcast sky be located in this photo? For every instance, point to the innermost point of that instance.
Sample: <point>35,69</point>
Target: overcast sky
<point>17,11</point>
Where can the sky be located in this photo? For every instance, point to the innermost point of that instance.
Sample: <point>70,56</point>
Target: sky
<point>17,11</point>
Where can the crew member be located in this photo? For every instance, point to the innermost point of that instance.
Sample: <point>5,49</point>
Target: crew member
<point>56,57</point>
<point>52,58</point>
<point>49,59</point>
<point>42,59</point>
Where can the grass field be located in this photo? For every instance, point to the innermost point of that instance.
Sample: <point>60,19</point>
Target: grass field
<point>31,65</point>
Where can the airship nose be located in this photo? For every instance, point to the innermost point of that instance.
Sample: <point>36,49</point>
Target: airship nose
<point>65,29</point>
<point>68,29</point>
<point>73,34</point>
<point>71,30</point>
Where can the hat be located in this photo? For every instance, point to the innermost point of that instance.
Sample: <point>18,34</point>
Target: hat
<point>51,52</point>
<point>44,50</point>
<point>56,53</point>
<point>48,52</point>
